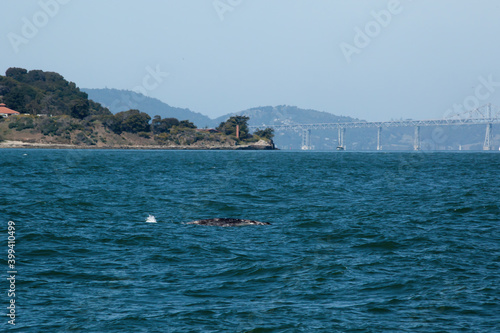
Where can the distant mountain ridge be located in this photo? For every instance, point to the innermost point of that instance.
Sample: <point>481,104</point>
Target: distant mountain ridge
<point>122,100</point>
<point>286,115</point>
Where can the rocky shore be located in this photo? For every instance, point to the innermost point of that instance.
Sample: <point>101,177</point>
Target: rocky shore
<point>260,145</point>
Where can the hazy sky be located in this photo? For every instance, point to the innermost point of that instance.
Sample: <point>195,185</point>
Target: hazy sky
<point>370,59</point>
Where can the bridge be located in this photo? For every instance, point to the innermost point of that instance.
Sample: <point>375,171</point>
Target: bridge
<point>485,115</point>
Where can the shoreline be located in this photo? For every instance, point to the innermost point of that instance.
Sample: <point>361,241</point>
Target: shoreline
<point>8,144</point>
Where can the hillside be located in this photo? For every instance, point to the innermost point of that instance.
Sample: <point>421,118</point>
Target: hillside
<point>286,115</point>
<point>129,129</point>
<point>120,100</point>
<point>46,93</point>
<point>56,113</point>
<point>65,132</point>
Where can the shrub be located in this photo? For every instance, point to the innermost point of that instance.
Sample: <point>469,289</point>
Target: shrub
<point>21,122</point>
<point>83,139</point>
<point>267,133</point>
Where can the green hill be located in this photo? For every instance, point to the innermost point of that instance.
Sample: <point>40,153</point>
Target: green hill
<point>47,93</point>
<point>56,112</point>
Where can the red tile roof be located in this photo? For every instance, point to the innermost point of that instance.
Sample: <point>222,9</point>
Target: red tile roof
<point>6,110</point>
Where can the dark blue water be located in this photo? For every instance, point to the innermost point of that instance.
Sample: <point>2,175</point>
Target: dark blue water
<point>359,242</point>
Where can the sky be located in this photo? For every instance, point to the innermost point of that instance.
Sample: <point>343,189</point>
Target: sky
<point>375,60</point>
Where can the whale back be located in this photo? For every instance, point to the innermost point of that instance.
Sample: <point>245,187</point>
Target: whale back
<point>227,222</point>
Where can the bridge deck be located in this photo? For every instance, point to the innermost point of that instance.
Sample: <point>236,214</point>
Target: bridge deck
<point>399,123</point>
<point>486,114</point>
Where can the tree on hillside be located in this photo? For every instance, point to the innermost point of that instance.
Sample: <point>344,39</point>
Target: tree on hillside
<point>133,121</point>
<point>19,97</point>
<point>96,109</point>
<point>111,122</point>
<point>163,125</point>
<point>16,73</point>
<point>39,92</point>
<point>35,75</point>
<point>186,124</point>
<point>155,124</point>
<point>80,109</point>
<point>267,133</point>
<point>228,127</point>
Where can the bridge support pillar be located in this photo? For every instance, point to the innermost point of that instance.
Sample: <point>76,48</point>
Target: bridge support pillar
<point>488,137</point>
<point>341,145</point>
<point>379,134</point>
<point>416,143</point>
<point>306,139</point>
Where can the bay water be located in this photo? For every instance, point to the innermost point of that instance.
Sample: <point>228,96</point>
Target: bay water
<point>358,242</point>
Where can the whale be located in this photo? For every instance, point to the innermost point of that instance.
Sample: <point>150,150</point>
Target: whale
<point>227,222</point>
